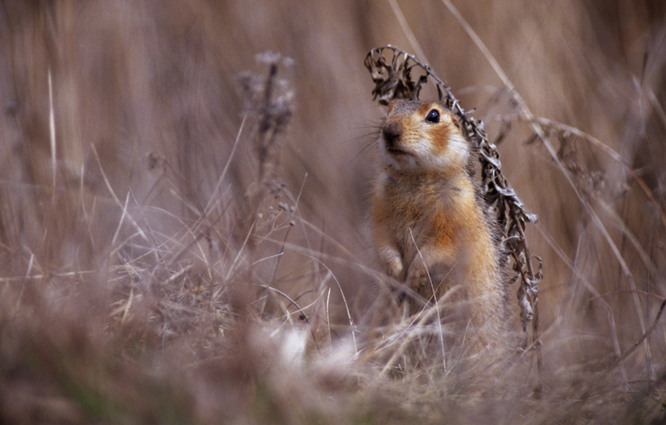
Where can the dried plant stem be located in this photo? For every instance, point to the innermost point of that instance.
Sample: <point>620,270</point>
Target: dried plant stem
<point>534,302</point>
<point>284,241</point>
<point>486,53</point>
<point>434,295</point>
<point>350,319</point>
<point>407,30</point>
<point>52,131</point>
<point>601,145</point>
<point>415,324</point>
<point>120,222</point>
<point>647,333</point>
<point>291,300</point>
<point>657,106</point>
<point>610,152</point>
<point>138,228</point>
<point>286,235</point>
<point>538,130</point>
<point>20,279</point>
<point>563,256</point>
<point>271,105</point>
<point>232,266</point>
<point>220,180</point>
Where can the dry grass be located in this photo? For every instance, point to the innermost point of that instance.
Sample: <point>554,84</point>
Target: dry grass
<point>183,242</point>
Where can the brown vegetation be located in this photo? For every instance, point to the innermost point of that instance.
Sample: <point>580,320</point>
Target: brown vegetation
<point>184,242</point>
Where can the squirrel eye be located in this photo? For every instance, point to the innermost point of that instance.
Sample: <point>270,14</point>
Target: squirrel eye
<point>433,116</point>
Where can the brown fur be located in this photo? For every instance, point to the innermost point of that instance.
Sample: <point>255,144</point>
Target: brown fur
<point>428,227</point>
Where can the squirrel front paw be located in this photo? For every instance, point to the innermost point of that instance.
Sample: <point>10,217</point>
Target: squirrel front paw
<point>393,262</point>
<point>417,275</point>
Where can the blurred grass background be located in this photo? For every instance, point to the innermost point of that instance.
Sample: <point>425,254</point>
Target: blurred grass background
<point>117,242</point>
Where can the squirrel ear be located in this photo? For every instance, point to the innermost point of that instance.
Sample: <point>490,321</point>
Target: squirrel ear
<point>455,120</point>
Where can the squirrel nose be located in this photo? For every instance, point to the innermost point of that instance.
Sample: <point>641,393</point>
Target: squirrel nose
<point>391,133</point>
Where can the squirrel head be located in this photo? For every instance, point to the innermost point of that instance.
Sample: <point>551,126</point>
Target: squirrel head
<point>422,137</point>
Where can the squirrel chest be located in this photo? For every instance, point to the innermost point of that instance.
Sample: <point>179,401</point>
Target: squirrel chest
<point>417,212</point>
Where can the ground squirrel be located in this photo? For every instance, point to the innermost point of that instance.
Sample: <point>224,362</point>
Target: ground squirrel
<point>428,226</point>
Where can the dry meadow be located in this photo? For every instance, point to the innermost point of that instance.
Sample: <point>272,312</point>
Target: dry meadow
<point>183,211</point>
